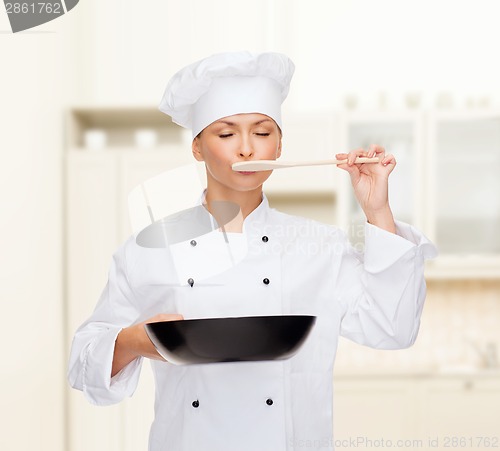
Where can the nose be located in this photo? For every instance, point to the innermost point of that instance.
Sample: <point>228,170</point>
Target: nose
<point>246,149</point>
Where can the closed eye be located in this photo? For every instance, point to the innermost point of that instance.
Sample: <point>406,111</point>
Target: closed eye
<point>227,135</point>
<point>263,134</point>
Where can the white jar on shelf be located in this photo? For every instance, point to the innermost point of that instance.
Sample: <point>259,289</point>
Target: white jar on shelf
<point>145,138</point>
<point>95,139</point>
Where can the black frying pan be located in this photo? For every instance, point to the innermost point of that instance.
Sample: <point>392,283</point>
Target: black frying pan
<point>211,340</point>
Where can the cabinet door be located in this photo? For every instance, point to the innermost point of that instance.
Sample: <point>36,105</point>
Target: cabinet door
<point>400,135</point>
<point>368,411</point>
<point>91,240</point>
<point>91,210</point>
<point>465,154</point>
<point>136,167</point>
<point>459,411</point>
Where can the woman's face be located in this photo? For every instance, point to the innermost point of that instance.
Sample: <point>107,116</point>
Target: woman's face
<point>242,137</point>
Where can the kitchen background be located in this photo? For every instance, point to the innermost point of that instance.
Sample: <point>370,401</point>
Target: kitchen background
<point>420,78</point>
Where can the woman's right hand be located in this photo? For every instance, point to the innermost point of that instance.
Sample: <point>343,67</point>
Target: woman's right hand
<point>133,342</point>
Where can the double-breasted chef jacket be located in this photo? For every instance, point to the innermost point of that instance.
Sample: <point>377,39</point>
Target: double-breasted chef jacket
<point>292,265</point>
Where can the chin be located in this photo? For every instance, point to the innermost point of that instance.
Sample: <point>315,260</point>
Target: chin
<point>251,186</point>
<point>246,188</point>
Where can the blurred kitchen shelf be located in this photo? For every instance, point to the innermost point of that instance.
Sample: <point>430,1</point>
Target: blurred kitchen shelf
<point>463,267</point>
<point>119,125</point>
<point>465,115</point>
<point>167,151</point>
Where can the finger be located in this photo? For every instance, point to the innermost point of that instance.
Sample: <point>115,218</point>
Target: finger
<point>388,159</point>
<point>353,154</point>
<point>341,156</point>
<point>166,317</point>
<point>174,317</point>
<point>376,150</point>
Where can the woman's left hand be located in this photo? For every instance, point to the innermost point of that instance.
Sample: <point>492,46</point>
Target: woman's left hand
<point>370,183</point>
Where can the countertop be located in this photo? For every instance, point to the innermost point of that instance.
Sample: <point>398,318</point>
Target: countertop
<point>443,372</point>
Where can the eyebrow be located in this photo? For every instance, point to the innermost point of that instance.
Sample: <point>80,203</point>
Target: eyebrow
<point>232,124</point>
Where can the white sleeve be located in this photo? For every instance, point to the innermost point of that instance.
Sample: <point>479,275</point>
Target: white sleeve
<point>93,345</point>
<point>383,291</point>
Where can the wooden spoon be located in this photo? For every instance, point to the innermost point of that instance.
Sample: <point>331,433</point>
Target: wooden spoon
<point>266,165</point>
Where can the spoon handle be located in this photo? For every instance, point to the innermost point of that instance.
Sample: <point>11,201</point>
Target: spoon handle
<point>266,165</point>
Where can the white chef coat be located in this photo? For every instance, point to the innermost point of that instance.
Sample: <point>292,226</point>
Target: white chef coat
<point>375,299</point>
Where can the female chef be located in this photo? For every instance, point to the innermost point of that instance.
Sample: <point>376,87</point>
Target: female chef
<point>232,103</point>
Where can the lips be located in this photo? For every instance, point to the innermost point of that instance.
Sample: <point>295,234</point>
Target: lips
<point>244,172</point>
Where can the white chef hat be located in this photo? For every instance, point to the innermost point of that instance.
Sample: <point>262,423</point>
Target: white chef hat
<point>226,84</point>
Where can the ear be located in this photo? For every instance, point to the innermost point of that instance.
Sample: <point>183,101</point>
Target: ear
<point>278,152</point>
<point>195,147</point>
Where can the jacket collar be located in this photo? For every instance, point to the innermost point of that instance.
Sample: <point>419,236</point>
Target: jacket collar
<point>255,219</point>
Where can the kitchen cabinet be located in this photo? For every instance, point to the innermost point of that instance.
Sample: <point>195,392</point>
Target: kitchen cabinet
<point>91,235</point>
<point>463,191</point>
<point>400,133</point>
<point>463,410</point>
<point>373,408</point>
<point>97,187</point>
<point>446,183</point>
<point>91,209</point>
<point>417,411</point>
<point>97,221</point>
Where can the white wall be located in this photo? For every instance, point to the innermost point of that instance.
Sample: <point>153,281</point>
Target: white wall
<point>340,46</point>
<point>35,78</point>
<point>366,47</point>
